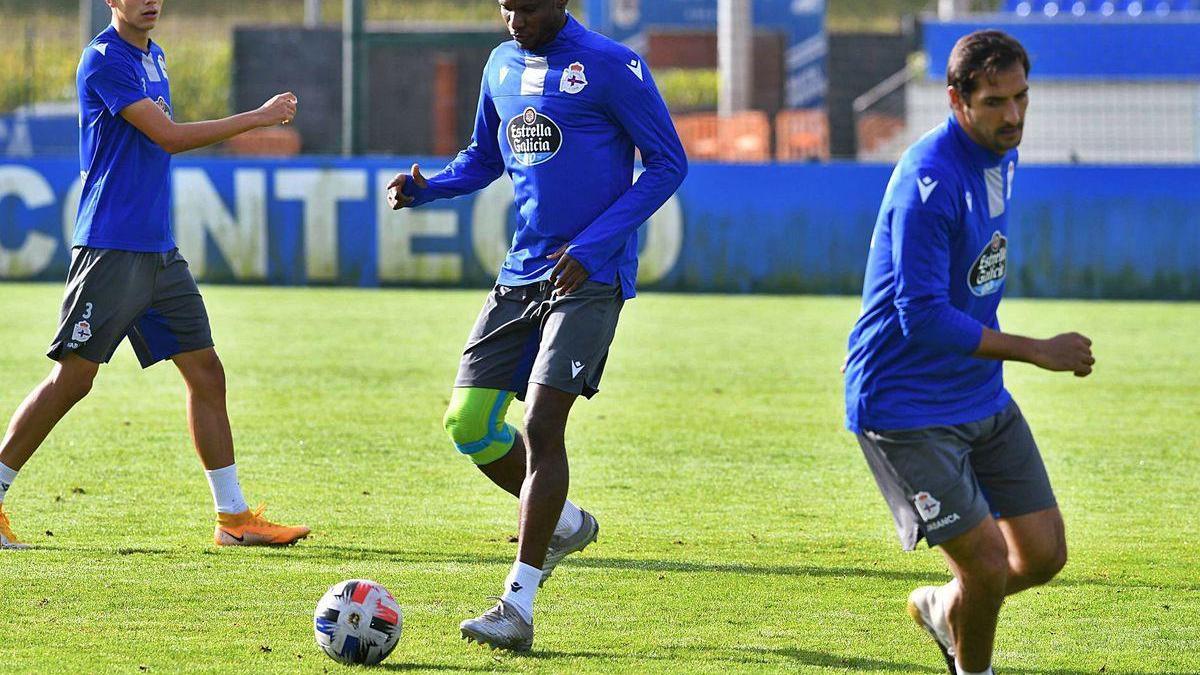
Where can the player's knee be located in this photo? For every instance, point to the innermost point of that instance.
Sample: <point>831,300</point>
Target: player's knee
<point>1046,566</point>
<point>73,377</point>
<point>209,381</point>
<point>475,422</point>
<point>544,430</point>
<point>985,575</point>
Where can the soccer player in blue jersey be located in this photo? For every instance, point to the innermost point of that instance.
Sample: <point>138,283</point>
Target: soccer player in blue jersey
<point>561,110</point>
<point>127,278</point>
<point>949,449</point>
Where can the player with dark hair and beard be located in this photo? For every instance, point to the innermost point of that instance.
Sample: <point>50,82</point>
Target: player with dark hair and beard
<point>949,449</point>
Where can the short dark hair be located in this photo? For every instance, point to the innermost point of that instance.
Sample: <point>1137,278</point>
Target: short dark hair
<point>985,51</point>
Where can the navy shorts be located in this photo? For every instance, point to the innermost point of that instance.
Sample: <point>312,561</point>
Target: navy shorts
<point>942,481</point>
<point>151,298</point>
<point>533,334</point>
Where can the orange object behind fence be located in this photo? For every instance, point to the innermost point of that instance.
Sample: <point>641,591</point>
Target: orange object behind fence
<point>742,137</point>
<point>802,135</point>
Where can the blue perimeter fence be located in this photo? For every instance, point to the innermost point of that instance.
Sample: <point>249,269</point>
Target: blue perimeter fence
<point>1075,231</point>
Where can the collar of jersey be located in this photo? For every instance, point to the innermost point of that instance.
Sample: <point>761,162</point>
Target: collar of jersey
<point>980,155</point>
<point>116,37</point>
<point>571,30</point>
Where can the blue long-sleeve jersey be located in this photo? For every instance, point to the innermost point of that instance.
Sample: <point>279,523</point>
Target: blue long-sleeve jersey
<point>935,275</point>
<point>564,121</point>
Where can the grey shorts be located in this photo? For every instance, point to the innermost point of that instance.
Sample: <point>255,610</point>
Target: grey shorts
<point>532,334</point>
<point>941,481</point>
<point>149,297</point>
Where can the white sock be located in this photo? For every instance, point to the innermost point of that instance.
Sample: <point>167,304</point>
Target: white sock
<point>7,476</point>
<point>964,671</point>
<point>226,491</point>
<point>520,587</point>
<point>569,521</point>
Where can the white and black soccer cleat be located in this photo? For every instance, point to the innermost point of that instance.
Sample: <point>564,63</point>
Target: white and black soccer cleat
<point>929,613</point>
<point>561,547</point>
<point>501,627</point>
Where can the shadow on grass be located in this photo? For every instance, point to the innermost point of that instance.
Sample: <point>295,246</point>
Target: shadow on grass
<point>808,657</point>
<point>651,565</point>
<point>406,667</point>
<point>644,565</point>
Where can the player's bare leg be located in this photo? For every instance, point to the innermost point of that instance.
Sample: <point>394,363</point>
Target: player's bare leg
<point>208,422</point>
<point>576,528</point>
<point>548,477</point>
<point>1037,548</point>
<point>67,384</point>
<point>509,625</point>
<point>508,472</point>
<point>979,560</point>
<point>208,418</point>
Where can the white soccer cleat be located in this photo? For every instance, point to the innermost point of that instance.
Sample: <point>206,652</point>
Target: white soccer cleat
<point>501,627</point>
<point>561,547</point>
<point>926,608</point>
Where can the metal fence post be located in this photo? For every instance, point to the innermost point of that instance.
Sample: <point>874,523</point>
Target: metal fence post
<point>94,16</point>
<point>352,75</point>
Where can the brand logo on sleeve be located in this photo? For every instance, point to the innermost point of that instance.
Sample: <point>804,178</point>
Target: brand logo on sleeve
<point>988,272</point>
<point>163,106</point>
<point>926,186</point>
<point>635,67</point>
<point>533,137</point>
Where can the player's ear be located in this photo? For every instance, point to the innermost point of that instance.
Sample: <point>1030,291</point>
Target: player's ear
<point>956,100</point>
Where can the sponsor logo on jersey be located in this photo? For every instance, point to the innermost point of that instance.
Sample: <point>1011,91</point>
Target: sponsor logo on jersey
<point>82,332</point>
<point>573,79</point>
<point>988,272</point>
<point>162,65</point>
<point>970,202</point>
<point>927,506</point>
<point>533,137</point>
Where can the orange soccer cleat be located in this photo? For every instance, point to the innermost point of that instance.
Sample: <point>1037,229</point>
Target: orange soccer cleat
<point>7,538</point>
<point>249,528</point>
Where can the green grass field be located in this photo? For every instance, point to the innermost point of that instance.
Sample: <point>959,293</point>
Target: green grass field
<point>741,531</point>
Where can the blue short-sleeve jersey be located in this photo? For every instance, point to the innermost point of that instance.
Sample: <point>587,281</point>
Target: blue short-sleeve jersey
<point>126,176</point>
<point>935,275</point>
<point>563,121</point>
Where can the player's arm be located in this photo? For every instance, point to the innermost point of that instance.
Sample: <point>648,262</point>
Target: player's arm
<point>636,104</point>
<point>473,169</point>
<point>921,258</point>
<point>1069,352</point>
<point>176,137</point>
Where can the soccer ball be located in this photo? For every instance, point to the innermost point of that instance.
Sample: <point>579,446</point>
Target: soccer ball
<point>357,621</point>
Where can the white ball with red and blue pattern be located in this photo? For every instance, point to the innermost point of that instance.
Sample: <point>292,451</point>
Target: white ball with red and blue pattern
<point>357,621</point>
